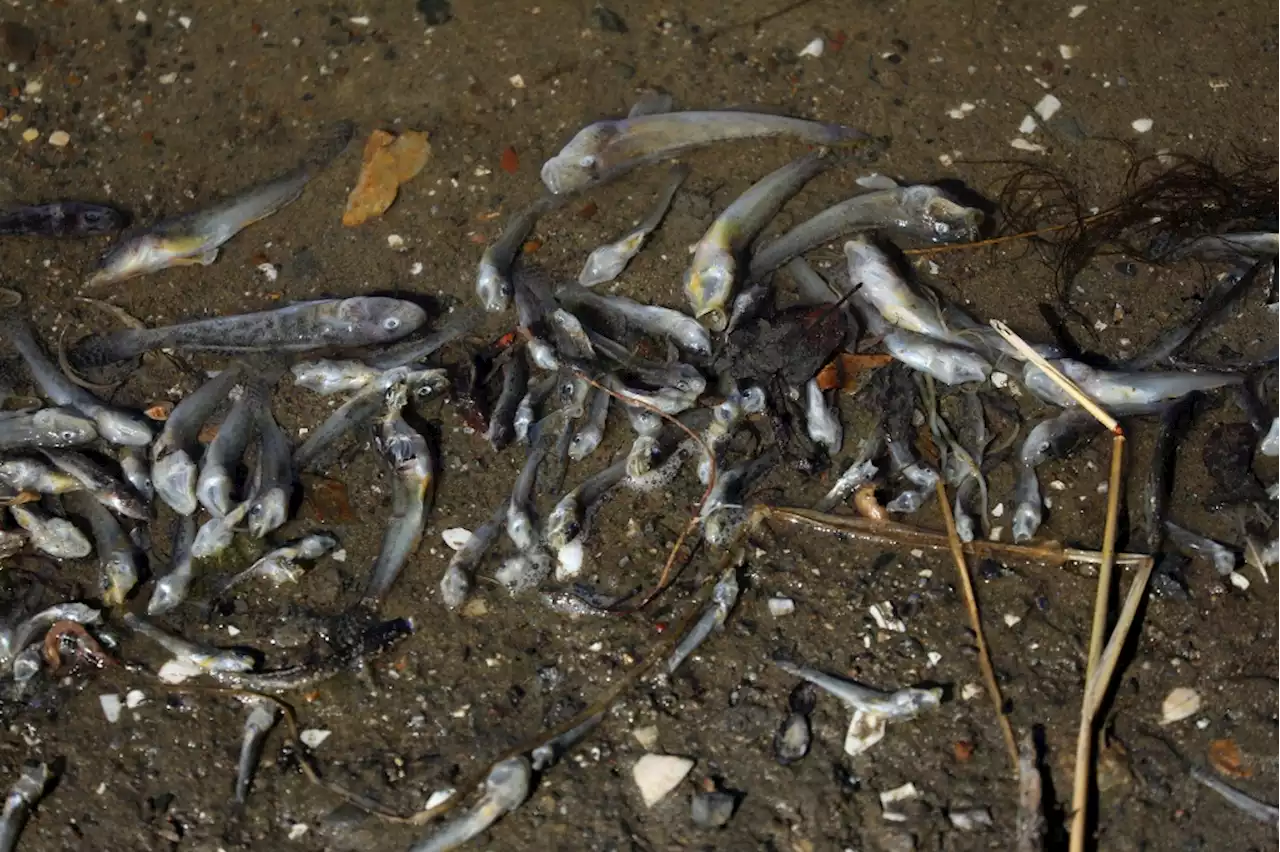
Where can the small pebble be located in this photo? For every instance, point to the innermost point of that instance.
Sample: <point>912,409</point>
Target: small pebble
<point>1047,107</point>
<point>779,607</point>
<point>1142,125</point>
<point>59,138</point>
<point>456,537</point>
<point>312,737</point>
<point>297,830</point>
<point>970,819</point>
<point>516,80</point>
<point>110,706</point>
<point>711,809</point>
<point>134,697</point>
<point>439,797</point>
<point>30,134</point>
<point>934,658</point>
<point>997,510</point>
<point>395,242</point>
<point>1028,125</point>
<point>999,379</point>
<point>814,48</point>
<point>169,79</point>
<point>1239,580</point>
<point>1011,620</point>
<point>1021,144</point>
<point>970,691</point>
<point>1067,51</point>
<point>269,272</point>
<point>658,774</point>
<point>1076,11</point>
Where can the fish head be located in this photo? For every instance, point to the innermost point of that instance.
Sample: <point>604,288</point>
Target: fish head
<point>119,576</point>
<point>170,591</point>
<point>174,478</point>
<point>95,219</point>
<point>708,284</point>
<point>122,429</point>
<point>944,221</point>
<point>142,254</point>
<point>64,428</point>
<point>268,512</point>
<point>315,546</point>
<point>584,443</point>
<point>688,380</point>
<point>492,287</point>
<point>379,319</point>
<point>213,490</point>
<point>564,524</point>
<point>578,164</point>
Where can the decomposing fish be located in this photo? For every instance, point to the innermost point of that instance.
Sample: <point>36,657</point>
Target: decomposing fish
<point>14,639</point>
<point>300,327</point>
<point>261,719</point>
<point>684,331</point>
<point>860,472</point>
<point>919,211</point>
<point>355,412</point>
<point>515,381</point>
<point>1158,483</point>
<point>116,560</point>
<point>102,485</point>
<point>668,400</point>
<point>194,238</point>
<point>1232,247</point>
<point>1052,437</point>
<point>28,474</point>
<point>678,376</point>
<point>224,452</point>
<point>189,656</point>
<point>47,427</point>
<point>520,528</point>
<point>589,435</point>
<point>51,535</point>
<point>723,598</point>
<point>606,149</point>
<point>280,566</point>
<point>708,283</point>
<point>505,789</point>
<point>458,578</point>
<point>1202,547</point>
<point>527,411</point>
<point>413,471</point>
<point>493,277</point>
<point>171,589</point>
<point>1124,390</point>
<point>565,525</point>
<point>607,262</point>
<point>215,535</point>
<point>61,219</point>
<point>898,434</point>
<point>823,423</point>
<point>412,351</point>
<point>113,425</point>
<point>272,477</point>
<point>327,377</point>
<point>137,472</point>
<point>25,793</point>
<point>902,704</point>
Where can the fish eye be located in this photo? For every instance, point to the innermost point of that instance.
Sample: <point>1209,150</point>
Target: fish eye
<point>391,323</point>
<point>68,435</point>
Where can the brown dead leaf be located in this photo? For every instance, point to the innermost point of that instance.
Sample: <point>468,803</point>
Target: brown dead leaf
<point>328,500</point>
<point>387,162</point>
<point>1225,757</point>
<point>846,370</point>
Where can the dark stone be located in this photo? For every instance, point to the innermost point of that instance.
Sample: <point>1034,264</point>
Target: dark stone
<point>436,12</point>
<point>608,20</point>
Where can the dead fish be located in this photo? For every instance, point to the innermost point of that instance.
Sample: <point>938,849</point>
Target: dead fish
<point>550,752</point>
<point>407,353</point>
<point>113,425</point>
<point>681,329</point>
<point>823,423</point>
<point>723,598</point>
<point>1260,811</point>
<point>137,472</point>
<point>14,639</point>
<point>223,454</point>
<point>860,472</point>
<point>28,474</point>
<point>1052,437</point>
<point>116,560</point>
<point>194,658</point>
<point>174,471</point>
<point>1270,445</point>
<point>493,277</point>
<point>1232,247</point>
<point>924,212</point>
<point>607,262</point>
<point>61,219</point>
<point>280,566</point>
<point>47,427</point>
<point>215,535</point>
<point>171,589</point>
<point>1202,547</point>
<point>515,381</point>
<point>458,578</point>
<point>589,435</point>
<point>261,719</point>
<point>606,149</point>
<point>300,327</point>
<point>24,795</point>
<point>527,411</point>
<point>51,535</point>
<point>327,377</point>
<point>102,485</point>
<point>1129,391</point>
<point>505,789</point>
<point>194,238</point>
<point>413,471</point>
<point>902,704</point>
<point>272,478</point>
<point>566,523</point>
<point>681,377</point>
<point>708,283</point>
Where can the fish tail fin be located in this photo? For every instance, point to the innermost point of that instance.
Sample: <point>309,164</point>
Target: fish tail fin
<point>328,145</point>
<point>99,350</point>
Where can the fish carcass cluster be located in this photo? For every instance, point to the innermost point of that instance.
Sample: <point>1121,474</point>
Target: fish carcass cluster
<point>686,381</point>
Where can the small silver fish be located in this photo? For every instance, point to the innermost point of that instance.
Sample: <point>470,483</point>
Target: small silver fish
<point>1128,391</point>
<point>896,706</point>
<point>920,211</point>
<point>607,262</point>
<point>202,659</point>
<point>273,477</point>
<point>280,566</point>
<point>681,329</point>
<point>327,377</point>
<point>99,483</point>
<point>54,536</point>
<point>505,789</point>
<point>171,589</point>
<point>1052,437</point>
<point>413,480</point>
<point>28,474</point>
<point>224,452</point>
<point>515,381</point>
<point>137,472</point>
<point>24,795</point>
<point>196,237</point>
<point>588,436</point>
<point>456,584</point>
<point>215,535</point>
<point>13,640</point>
<point>822,423</point>
<point>116,560</point>
<point>564,525</point>
<point>261,719</point>
<point>48,427</point>
<point>493,277</point>
<point>723,598</point>
<point>300,327</point>
<point>708,283</point>
<point>549,753</point>
<point>1223,558</point>
<point>604,150</point>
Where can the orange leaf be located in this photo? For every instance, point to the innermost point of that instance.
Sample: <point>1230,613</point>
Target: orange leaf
<point>1225,757</point>
<point>844,370</point>
<point>531,246</point>
<point>510,161</point>
<point>387,162</point>
<point>963,750</point>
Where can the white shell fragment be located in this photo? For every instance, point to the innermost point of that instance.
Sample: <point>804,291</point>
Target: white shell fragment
<point>134,698</point>
<point>886,619</point>
<point>1048,107</point>
<point>1142,125</point>
<point>905,793</point>
<point>970,819</point>
<point>658,774</point>
<point>646,736</point>
<point>110,706</point>
<point>1179,704</point>
<point>779,607</point>
<point>312,737</point>
<point>439,797</point>
<point>1028,125</point>
<point>865,730</point>
<point>814,48</point>
<point>176,671</point>
<point>456,538</point>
